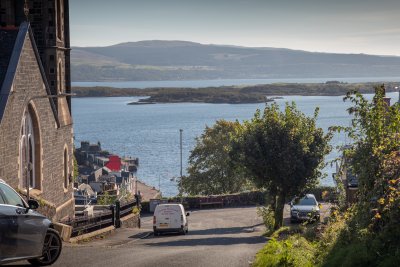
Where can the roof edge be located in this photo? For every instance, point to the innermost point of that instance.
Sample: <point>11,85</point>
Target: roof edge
<point>43,74</point>
<point>5,89</point>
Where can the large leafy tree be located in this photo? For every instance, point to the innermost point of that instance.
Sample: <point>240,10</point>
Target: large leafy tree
<point>211,169</point>
<point>283,151</point>
<point>375,156</point>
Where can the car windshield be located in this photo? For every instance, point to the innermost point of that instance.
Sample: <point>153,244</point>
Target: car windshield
<point>305,201</point>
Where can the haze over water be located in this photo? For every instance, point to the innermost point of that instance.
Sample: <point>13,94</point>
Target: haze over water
<point>229,82</point>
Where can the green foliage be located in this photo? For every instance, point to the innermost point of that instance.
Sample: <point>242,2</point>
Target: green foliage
<point>267,214</point>
<point>283,151</point>
<point>135,210</point>
<point>368,233</point>
<point>106,199</point>
<point>294,251</point>
<point>211,169</point>
<point>371,234</point>
<point>324,193</point>
<point>225,94</point>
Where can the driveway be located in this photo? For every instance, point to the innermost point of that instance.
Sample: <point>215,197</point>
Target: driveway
<point>217,237</point>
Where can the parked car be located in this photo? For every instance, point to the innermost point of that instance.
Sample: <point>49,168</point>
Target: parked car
<point>170,218</point>
<point>24,233</point>
<point>306,208</point>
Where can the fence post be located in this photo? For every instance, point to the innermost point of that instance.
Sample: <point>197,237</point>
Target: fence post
<point>117,214</point>
<point>112,208</point>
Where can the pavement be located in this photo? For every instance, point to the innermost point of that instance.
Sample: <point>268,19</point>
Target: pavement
<point>147,192</point>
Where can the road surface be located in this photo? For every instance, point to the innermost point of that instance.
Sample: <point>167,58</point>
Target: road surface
<point>217,237</point>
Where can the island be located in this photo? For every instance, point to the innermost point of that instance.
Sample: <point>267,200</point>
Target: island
<point>231,94</point>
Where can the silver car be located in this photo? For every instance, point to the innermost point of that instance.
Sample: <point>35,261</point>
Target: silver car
<point>24,233</point>
<point>306,208</point>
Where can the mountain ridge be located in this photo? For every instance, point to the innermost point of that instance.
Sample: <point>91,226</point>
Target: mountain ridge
<point>184,60</point>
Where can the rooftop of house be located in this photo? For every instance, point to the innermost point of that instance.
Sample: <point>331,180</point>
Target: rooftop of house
<point>102,158</point>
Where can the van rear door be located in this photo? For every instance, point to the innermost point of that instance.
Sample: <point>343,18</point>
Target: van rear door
<point>168,216</point>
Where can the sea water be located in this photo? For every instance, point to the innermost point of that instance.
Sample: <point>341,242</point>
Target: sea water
<point>151,132</point>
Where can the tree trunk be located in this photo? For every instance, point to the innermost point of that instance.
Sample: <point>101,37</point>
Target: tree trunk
<point>280,205</point>
<point>272,199</point>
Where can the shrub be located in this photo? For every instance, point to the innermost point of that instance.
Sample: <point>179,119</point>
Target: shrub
<point>324,193</point>
<point>135,210</point>
<point>267,214</point>
<point>294,251</point>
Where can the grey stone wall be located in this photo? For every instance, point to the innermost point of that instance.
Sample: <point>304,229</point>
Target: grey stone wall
<point>28,82</point>
<point>131,221</point>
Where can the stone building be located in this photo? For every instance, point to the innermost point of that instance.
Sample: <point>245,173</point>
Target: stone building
<point>36,134</point>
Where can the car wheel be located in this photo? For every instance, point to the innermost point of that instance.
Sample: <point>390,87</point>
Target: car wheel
<point>51,249</point>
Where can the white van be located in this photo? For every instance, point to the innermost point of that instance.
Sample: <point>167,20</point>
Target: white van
<point>170,218</point>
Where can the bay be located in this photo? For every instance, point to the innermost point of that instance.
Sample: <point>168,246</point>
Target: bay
<point>229,82</point>
<point>151,132</point>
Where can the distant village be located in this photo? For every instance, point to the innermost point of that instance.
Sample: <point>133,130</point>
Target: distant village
<point>102,174</point>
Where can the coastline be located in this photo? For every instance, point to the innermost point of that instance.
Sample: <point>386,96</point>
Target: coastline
<point>231,94</point>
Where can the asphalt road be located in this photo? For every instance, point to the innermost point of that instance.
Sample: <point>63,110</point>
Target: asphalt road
<point>217,237</point>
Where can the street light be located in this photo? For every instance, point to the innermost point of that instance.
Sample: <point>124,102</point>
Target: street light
<point>28,166</point>
<point>181,192</point>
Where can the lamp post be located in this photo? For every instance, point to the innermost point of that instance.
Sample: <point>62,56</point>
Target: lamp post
<point>180,138</point>
<point>28,165</point>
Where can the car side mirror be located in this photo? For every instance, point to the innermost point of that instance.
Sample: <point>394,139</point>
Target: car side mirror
<point>187,214</point>
<point>33,204</point>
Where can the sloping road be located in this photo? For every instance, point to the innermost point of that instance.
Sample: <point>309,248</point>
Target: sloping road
<point>217,237</point>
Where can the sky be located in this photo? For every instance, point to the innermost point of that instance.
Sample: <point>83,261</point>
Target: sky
<point>338,26</point>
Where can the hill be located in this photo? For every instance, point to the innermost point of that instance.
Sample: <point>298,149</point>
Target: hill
<point>179,60</point>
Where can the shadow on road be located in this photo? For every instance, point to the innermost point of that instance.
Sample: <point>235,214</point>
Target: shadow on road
<point>225,231</point>
<point>212,241</point>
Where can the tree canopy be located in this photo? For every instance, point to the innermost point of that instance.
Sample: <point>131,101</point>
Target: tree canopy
<point>283,151</point>
<point>211,169</point>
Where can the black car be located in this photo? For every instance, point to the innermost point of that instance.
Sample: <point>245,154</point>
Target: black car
<point>24,233</point>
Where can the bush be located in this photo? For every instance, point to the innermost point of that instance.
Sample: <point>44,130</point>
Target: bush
<point>325,193</point>
<point>106,199</point>
<point>294,251</point>
<point>267,214</point>
<point>136,210</point>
